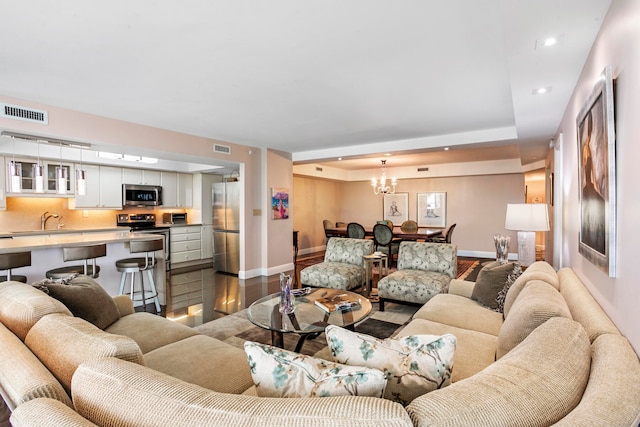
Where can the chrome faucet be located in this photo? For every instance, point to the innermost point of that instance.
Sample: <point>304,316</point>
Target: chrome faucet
<point>44,218</point>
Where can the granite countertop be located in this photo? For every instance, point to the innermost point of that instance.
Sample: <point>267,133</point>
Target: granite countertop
<point>59,239</point>
<point>21,233</point>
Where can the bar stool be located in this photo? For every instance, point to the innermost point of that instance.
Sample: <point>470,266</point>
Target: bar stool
<point>138,265</point>
<point>79,252</point>
<point>14,260</point>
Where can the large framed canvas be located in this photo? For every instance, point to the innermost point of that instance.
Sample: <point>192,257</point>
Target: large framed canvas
<point>280,203</point>
<point>432,209</point>
<point>395,207</point>
<point>597,176</point>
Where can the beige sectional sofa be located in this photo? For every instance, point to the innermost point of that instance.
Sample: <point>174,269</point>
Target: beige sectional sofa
<point>560,360</point>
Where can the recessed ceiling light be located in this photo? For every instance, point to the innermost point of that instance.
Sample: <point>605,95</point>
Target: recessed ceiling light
<point>548,42</point>
<point>339,158</point>
<point>446,148</point>
<point>387,154</point>
<point>541,90</point>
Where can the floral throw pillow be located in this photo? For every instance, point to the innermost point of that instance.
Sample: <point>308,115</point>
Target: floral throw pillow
<point>511,278</point>
<point>281,373</point>
<point>413,365</point>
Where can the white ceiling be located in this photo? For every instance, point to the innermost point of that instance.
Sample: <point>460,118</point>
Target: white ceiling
<point>318,79</point>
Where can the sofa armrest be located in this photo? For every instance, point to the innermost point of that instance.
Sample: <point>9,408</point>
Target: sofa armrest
<point>463,288</point>
<point>45,412</point>
<point>124,304</point>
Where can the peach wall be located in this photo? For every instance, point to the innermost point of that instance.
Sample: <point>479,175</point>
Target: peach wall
<point>476,204</point>
<point>618,45</point>
<point>279,255</point>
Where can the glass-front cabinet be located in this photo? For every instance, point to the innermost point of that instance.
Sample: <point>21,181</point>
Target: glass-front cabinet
<point>28,183</point>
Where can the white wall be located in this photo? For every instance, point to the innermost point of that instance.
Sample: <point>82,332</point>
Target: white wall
<point>618,45</point>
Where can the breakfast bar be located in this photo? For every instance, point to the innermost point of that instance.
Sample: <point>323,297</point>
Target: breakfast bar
<point>46,254</point>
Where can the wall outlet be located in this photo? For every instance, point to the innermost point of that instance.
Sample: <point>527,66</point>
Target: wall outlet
<point>85,213</point>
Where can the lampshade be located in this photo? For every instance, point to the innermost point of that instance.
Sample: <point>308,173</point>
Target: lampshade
<point>527,217</point>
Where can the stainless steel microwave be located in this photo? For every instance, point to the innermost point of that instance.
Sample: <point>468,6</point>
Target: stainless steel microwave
<point>141,195</point>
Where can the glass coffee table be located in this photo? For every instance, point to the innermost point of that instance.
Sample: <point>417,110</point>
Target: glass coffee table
<point>308,320</point>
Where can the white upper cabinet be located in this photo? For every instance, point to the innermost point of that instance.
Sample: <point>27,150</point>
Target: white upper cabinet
<point>177,190</point>
<point>104,188</point>
<point>140,176</point>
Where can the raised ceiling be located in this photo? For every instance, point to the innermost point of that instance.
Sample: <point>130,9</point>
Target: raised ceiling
<point>318,79</point>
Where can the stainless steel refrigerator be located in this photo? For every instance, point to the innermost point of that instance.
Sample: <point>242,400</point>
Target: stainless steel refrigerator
<point>226,225</point>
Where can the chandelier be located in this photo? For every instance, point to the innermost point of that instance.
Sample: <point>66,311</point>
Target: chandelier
<point>381,187</point>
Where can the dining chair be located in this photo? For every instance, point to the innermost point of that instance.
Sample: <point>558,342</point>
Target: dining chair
<point>383,239</point>
<point>386,222</point>
<point>355,230</point>
<point>445,237</point>
<point>409,226</point>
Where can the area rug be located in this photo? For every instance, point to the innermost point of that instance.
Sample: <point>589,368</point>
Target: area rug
<point>235,329</point>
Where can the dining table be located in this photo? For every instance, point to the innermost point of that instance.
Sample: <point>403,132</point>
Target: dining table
<point>420,233</point>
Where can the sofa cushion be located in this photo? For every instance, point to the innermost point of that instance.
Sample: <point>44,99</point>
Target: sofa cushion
<point>612,396</point>
<point>22,305</point>
<point>85,298</point>
<point>474,350</point>
<point>280,373</point>
<point>413,365</point>
<point>537,302</point>
<point>415,286</point>
<point>334,275</point>
<point>151,398</point>
<point>539,270</point>
<point>461,312</point>
<point>210,363</point>
<point>536,384</point>
<point>35,412</point>
<point>64,342</point>
<point>23,376</point>
<point>490,281</point>
<point>150,331</point>
<point>583,306</point>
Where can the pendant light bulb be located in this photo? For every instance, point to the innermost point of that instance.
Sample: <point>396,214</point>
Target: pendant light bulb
<point>38,175</point>
<point>81,179</point>
<point>61,176</point>
<point>15,172</point>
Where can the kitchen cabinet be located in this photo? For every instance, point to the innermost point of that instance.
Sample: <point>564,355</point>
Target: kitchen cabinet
<point>28,183</point>
<point>186,290</point>
<point>177,190</point>
<point>206,239</point>
<point>140,176</point>
<point>186,243</point>
<point>104,188</point>
<point>3,196</point>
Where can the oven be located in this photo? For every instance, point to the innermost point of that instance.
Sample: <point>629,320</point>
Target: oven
<point>146,223</point>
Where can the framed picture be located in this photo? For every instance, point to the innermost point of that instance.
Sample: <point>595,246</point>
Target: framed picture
<point>395,207</point>
<point>432,209</point>
<point>597,176</point>
<point>280,203</point>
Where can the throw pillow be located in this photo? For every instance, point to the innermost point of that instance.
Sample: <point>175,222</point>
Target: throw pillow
<point>282,373</point>
<point>84,298</point>
<point>490,282</point>
<point>413,365</point>
<point>511,278</point>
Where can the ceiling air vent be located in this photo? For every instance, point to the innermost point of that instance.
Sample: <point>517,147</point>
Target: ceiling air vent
<point>423,169</point>
<point>9,111</point>
<point>223,149</point>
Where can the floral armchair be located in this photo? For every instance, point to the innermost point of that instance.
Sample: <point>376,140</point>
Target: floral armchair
<point>424,270</point>
<point>343,266</point>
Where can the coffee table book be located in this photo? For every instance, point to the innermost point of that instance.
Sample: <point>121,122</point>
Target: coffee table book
<point>337,302</point>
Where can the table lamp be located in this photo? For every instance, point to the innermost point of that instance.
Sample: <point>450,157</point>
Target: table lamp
<point>526,219</point>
